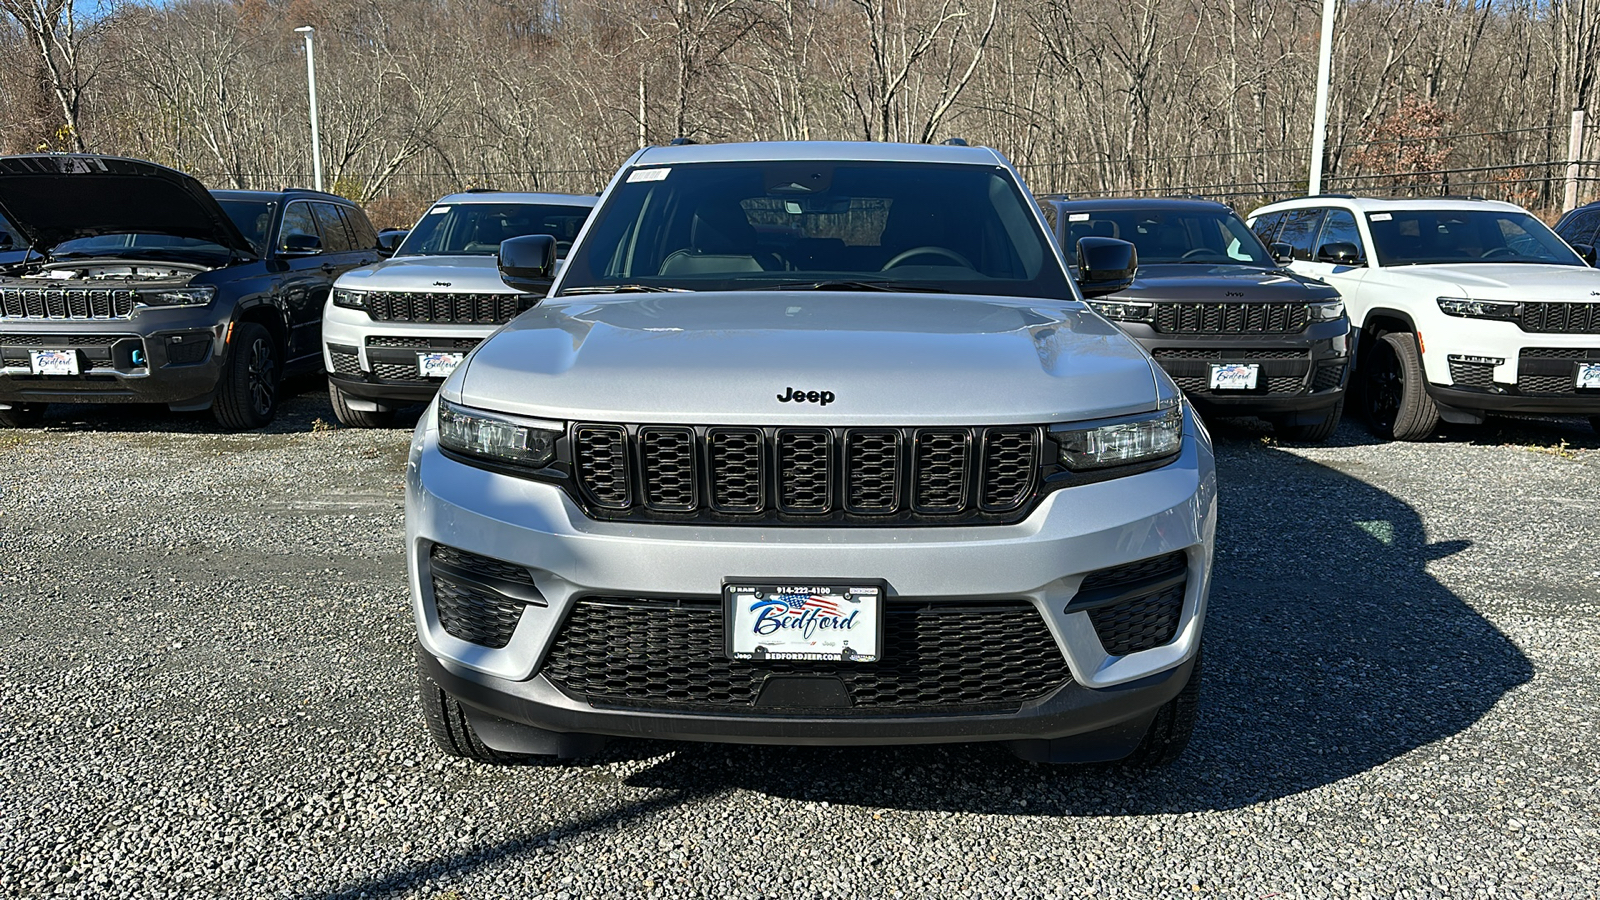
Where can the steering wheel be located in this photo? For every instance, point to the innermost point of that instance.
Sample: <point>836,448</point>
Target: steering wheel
<point>1200,251</point>
<point>928,250</point>
<point>1493,252</point>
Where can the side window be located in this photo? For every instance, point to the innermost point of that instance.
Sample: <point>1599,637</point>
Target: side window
<point>1340,227</point>
<point>335,239</point>
<point>360,228</point>
<point>298,222</point>
<point>1049,210</point>
<point>1579,228</point>
<point>1300,231</point>
<point>1266,227</point>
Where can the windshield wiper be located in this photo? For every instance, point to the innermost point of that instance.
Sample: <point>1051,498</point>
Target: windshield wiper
<point>891,286</point>
<point>623,289</point>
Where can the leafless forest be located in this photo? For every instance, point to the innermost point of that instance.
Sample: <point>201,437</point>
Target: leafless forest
<point>419,97</point>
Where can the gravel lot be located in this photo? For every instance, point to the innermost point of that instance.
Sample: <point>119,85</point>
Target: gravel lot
<point>207,691</point>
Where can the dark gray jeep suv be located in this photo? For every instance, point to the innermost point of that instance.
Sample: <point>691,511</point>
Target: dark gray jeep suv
<point>144,287</point>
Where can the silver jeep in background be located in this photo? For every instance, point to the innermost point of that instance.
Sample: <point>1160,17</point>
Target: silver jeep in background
<point>392,332</point>
<point>812,443</point>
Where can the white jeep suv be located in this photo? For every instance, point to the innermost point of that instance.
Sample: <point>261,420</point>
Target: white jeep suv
<point>1463,306</point>
<point>392,332</point>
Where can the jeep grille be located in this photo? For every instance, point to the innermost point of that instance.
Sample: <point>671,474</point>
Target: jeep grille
<point>59,303</point>
<point>446,308</point>
<point>1231,318</point>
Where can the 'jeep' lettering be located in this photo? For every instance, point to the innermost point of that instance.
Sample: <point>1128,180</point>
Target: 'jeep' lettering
<point>796,395</point>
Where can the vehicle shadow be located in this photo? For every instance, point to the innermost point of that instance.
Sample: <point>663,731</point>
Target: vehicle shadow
<point>1329,651</point>
<point>1537,432</point>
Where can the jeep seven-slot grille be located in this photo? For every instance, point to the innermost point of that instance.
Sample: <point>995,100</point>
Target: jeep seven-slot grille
<point>60,303</point>
<point>1565,318</point>
<point>815,474</point>
<point>670,653</point>
<point>446,308</point>
<point>1231,318</point>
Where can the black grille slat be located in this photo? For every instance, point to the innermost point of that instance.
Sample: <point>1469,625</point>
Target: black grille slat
<point>1560,318</point>
<point>1328,377</point>
<point>736,457</point>
<point>66,303</point>
<point>805,470</point>
<point>1231,318</point>
<point>670,654</point>
<point>872,472</point>
<point>472,612</point>
<point>1141,623</point>
<point>940,479</point>
<point>445,308</point>
<point>602,462</point>
<point>1475,375</point>
<point>666,459</point>
<point>1551,370</point>
<point>422,343</point>
<point>1010,460</point>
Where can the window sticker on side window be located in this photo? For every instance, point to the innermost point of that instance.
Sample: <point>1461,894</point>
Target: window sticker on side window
<point>648,174</point>
<point>438,209</point>
<point>1382,217</point>
<point>1078,217</point>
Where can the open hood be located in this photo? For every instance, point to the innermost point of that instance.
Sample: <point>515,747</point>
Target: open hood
<point>51,198</point>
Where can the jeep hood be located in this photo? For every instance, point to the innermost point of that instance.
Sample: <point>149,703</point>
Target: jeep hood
<point>888,359</point>
<point>1213,284</point>
<point>467,274</point>
<point>1499,281</point>
<point>51,198</point>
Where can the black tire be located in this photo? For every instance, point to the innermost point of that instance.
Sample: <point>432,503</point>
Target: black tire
<point>22,415</point>
<point>1395,390</point>
<point>247,397</point>
<point>448,724</point>
<point>1318,432</point>
<point>357,418</point>
<point>1169,734</point>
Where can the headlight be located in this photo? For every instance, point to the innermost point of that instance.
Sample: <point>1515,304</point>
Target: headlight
<point>1327,310</point>
<point>1120,442</point>
<point>1478,309</point>
<point>184,296</point>
<point>1121,311</point>
<point>496,437</point>
<point>349,299</point>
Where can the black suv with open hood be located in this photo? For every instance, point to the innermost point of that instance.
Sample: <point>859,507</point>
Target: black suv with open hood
<point>1239,333</point>
<point>142,286</point>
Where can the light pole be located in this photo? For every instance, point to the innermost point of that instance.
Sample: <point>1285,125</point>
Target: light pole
<point>1319,125</point>
<point>311,85</point>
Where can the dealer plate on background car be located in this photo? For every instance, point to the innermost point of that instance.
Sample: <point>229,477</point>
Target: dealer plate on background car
<point>1234,376</point>
<point>801,620</point>
<point>53,362</point>
<point>1589,376</point>
<point>438,365</point>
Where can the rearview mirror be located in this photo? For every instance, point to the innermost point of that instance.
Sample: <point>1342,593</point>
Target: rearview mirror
<point>1105,265</point>
<point>1282,253</point>
<point>528,263</point>
<point>1584,250</point>
<point>301,245</point>
<point>1340,253</point>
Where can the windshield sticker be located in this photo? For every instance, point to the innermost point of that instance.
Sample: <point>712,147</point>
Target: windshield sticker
<point>1382,217</point>
<point>648,175</point>
<point>1078,217</point>
<point>437,210</point>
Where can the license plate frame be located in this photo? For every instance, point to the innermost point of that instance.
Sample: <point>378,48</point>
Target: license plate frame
<point>53,362</point>
<point>1587,376</point>
<point>823,601</point>
<point>1235,376</point>
<point>438,364</point>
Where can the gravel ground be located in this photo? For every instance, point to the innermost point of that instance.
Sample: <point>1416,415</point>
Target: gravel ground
<point>207,691</point>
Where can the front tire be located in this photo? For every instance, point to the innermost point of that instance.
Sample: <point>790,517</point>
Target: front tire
<point>22,415</point>
<point>451,731</point>
<point>1395,390</point>
<point>357,418</point>
<point>1318,432</point>
<point>247,398</point>
<point>1169,734</point>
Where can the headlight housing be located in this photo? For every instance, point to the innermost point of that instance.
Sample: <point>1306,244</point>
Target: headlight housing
<point>1119,442</point>
<point>349,299</point>
<point>1327,310</point>
<point>495,437</point>
<point>198,295</point>
<point>1479,309</point>
<point>1122,310</point>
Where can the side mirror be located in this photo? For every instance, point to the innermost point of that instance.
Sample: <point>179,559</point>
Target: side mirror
<point>1340,253</point>
<point>389,241</point>
<point>301,245</point>
<point>1282,253</point>
<point>1584,250</point>
<point>528,263</point>
<point>1105,265</point>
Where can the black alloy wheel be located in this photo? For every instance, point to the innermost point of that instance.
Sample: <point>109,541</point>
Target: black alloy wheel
<point>247,396</point>
<point>1395,390</point>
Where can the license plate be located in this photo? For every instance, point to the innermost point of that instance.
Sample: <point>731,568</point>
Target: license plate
<point>438,365</point>
<point>1234,376</point>
<point>799,620</point>
<point>54,362</point>
<point>1589,376</point>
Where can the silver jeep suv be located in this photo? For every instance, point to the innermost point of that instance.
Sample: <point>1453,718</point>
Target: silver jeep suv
<point>812,443</point>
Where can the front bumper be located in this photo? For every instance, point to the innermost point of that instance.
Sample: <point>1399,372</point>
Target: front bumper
<point>1041,561</point>
<point>1488,366</point>
<point>377,361</point>
<point>178,363</point>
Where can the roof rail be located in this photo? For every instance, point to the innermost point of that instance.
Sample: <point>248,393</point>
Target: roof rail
<point>1336,196</point>
<point>482,190</point>
<point>955,142</point>
<point>1459,197</point>
<point>681,141</point>
<point>1055,196</point>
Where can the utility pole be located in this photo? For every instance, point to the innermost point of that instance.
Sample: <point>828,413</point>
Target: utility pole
<point>1574,154</point>
<point>1319,125</point>
<point>311,85</point>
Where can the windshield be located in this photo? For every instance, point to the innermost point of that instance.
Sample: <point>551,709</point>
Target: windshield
<point>476,229</point>
<point>8,238</point>
<point>1424,236</point>
<point>1172,235</point>
<point>253,218</point>
<point>733,226</point>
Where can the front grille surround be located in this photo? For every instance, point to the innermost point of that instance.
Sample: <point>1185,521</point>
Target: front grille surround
<point>444,308</point>
<point>1230,318</point>
<point>1556,317</point>
<point>67,303</point>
